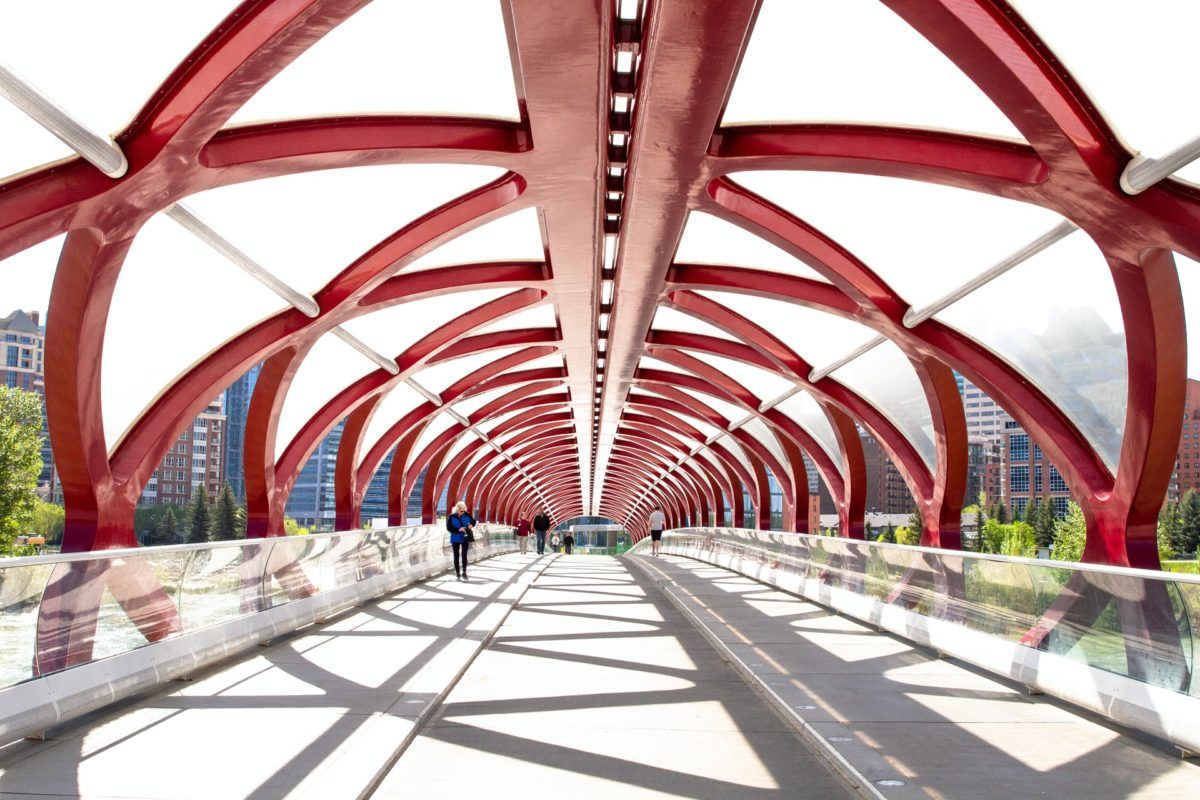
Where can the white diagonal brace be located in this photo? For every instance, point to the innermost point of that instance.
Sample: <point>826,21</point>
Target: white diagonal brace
<point>100,151</point>
<point>1142,172</point>
<point>201,230</point>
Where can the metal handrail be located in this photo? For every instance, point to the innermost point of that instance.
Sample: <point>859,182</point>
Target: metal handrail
<point>127,552</point>
<point>1079,566</point>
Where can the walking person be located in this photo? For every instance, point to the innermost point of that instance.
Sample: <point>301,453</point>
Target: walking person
<point>568,541</point>
<point>541,524</point>
<point>522,527</point>
<point>461,526</point>
<point>658,521</point>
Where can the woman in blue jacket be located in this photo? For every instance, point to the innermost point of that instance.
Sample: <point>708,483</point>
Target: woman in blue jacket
<point>460,523</point>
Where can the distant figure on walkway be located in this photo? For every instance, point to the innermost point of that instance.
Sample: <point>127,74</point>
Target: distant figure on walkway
<point>523,535</point>
<point>555,542</point>
<point>461,526</point>
<point>657,522</point>
<point>541,524</point>
<point>568,541</point>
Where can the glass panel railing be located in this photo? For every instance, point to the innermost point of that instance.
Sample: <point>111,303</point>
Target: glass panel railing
<point>1141,624</point>
<point>63,610</point>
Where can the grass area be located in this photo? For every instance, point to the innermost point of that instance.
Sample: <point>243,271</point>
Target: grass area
<point>1190,567</point>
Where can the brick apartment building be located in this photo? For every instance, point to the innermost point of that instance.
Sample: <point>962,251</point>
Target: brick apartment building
<point>1029,474</point>
<point>196,456</point>
<point>1187,463</point>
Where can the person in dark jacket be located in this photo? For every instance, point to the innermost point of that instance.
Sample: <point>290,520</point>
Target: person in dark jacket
<point>541,524</point>
<point>460,524</point>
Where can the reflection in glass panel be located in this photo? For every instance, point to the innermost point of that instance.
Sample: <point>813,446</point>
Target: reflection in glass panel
<point>817,337</point>
<point>308,227</point>
<point>391,409</point>
<point>394,329</point>
<point>1189,283</point>
<point>887,380</point>
<point>21,590</point>
<point>162,319</point>
<point>711,240</point>
<point>514,237</point>
<point>864,63</point>
<point>93,61</point>
<point>328,368</point>
<point>1056,318</point>
<point>444,58</point>
<point>923,239</point>
<point>1139,92</point>
<point>808,414</point>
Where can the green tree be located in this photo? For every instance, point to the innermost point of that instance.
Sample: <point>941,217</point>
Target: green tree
<point>292,528</point>
<point>48,520</point>
<point>165,529</point>
<point>1020,540</point>
<point>198,531</point>
<point>1032,509</point>
<point>868,532</point>
<point>20,462</point>
<point>1165,549</point>
<point>991,536</point>
<point>905,534</point>
<point>1070,535</point>
<point>889,534</point>
<point>1043,524</point>
<point>1000,514</point>
<point>1189,523</point>
<point>1170,525</point>
<point>224,526</point>
<point>916,525</point>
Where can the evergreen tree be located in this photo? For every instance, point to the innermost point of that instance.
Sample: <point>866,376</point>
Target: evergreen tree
<point>1043,525</point>
<point>1032,509</point>
<point>170,524</point>
<point>1001,513</point>
<point>889,535</point>
<point>1170,525</point>
<point>915,525</point>
<point>224,525</point>
<point>198,532</point>
<point>1189,523</point>
<point>20,462</point>
<point>164,530</point>
<point>868,532</point>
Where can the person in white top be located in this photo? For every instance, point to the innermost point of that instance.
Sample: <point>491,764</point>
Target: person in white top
<point>658,521</point>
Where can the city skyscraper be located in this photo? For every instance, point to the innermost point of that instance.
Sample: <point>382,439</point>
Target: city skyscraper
<point>237,406</point>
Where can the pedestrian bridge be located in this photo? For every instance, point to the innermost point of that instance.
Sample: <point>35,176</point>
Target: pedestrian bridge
<point>738,664</point>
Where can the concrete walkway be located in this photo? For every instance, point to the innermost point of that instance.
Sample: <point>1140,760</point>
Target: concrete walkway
<point>321,714</point>
<point>597,687</point>
<point>896,712</point>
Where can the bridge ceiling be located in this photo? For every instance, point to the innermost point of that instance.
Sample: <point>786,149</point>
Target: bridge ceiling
<point>600,257</point>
